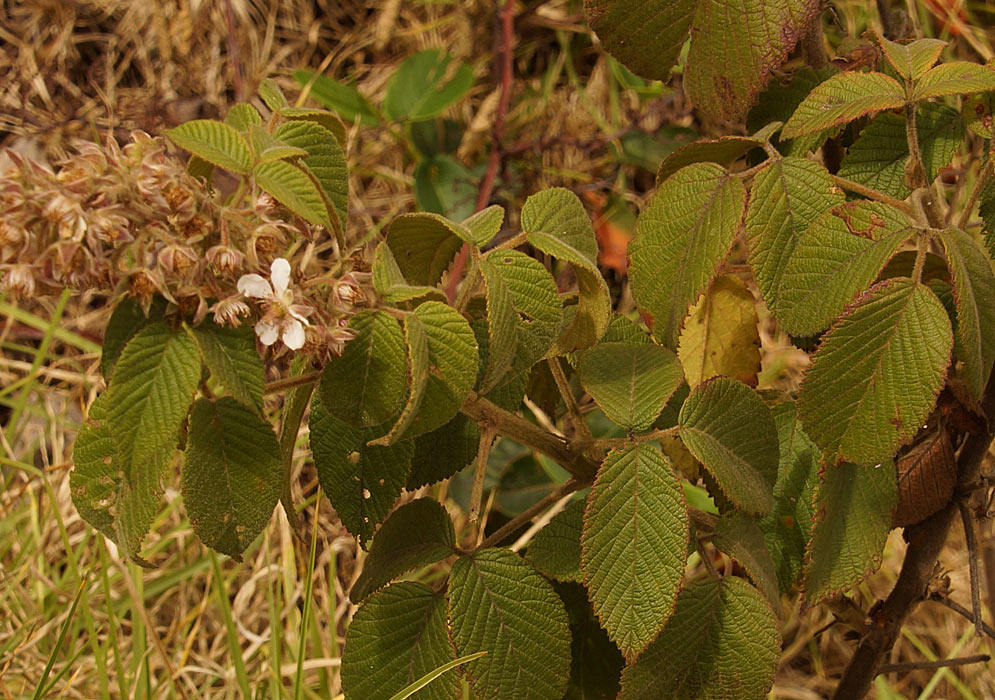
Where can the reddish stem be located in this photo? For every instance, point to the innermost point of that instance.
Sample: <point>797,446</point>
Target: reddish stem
<point>487,185</point>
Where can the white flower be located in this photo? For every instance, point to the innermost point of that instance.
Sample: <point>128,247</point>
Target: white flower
<point>284,319</point>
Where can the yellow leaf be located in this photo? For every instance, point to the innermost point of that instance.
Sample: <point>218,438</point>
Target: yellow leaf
<point>720,336</point>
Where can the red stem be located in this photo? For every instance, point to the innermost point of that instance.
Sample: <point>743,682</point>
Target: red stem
<point>487,185</point>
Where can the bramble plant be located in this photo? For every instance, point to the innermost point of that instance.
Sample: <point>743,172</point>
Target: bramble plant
<point>410,369</point>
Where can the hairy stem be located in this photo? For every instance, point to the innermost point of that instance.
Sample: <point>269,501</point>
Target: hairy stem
<point>581,430</point>
<point>291,382</point>
<point>874,194</point>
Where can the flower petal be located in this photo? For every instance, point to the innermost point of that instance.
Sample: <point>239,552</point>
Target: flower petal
<point>280,274</point>
<point>293,334</point>
<point>267,332</point>
<point>300,312</point>
<point>254,285</point>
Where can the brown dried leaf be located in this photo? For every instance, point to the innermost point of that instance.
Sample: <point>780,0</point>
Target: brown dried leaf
<point>927,474</point>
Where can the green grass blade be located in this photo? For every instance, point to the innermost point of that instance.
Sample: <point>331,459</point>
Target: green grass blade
<point>40,689</point>
<point>234,649</point>
<point>431,676</point>
<point>306,613</point>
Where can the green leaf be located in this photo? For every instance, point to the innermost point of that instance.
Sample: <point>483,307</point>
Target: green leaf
<point>853,508</point>
<point>730,430</point>
<point>558,225</point>
<point>243,115</point>
<point>149,395</point>
<point>877,372</point>
<point>94,480</point>
<point>389,281</point>
<point>978,112</point>
<point>502,326</point>
<point>974,296</point>
<point>361,481</point>
<point>841,99</point>
<point>499,604</point>
<point>396,637</point>
<point>342,99</point>
<point>272,95</point>
<point>734,47</point>
<point>634,545</point>
<point>787,196</point>
<point>485,224</point>
<point>231,356</point>
<point>786,528</point>
<point>724,150</point>
<point>320,117</point>
<point>954,78</point>
<point>232,474</point>
<point>424,86</point>
<point>836,258</point>
<point>721,643</point>
<point>444,186</point>
<point>780,100</point>
<point>443,452</point>
<point>366,384</point>
<point>534,295</point>
<point>631,383</point>
<point>325,160</point>
<point>424,245</point>
<point>442,367</point>
<point>721,335</point>
<point>416,534</point>
<point>215,142</point>
<point>126,320</point>
<point>877,159</point>
<point>739,535</point>
<point>680,240</point>
<point>555,551</point>
<point>596,663</point>
<point>913,59</point>
<point>292,187</point>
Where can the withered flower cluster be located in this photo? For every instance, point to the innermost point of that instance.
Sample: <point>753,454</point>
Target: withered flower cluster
<point>131,220</point>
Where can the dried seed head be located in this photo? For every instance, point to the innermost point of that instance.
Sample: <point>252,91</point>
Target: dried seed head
<point>225,259</point>
<point>19,280</point>
<point>229,312</point>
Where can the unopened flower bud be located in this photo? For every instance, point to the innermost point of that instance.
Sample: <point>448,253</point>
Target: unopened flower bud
<point>19,280</point>
<point>225,259</point>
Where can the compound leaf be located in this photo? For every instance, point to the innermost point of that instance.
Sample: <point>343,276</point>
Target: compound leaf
<point>724,150</point>
<point>634,545</point>
<point>780,100</point>
<point>397,636</point>
<point>721,643</point>
<point>787,196</point>
<point>502,325</point>
<point>366,384</point>
<point>424,86</point>
<point>631,382</point>
<point>389,281</point>
<point>555,551</point>
<point>720,336</point>
<point>342,99</point>
<point>680,240</point>
<point>499,604</point>
<point>974,296</point>
<point>416,534</point>
<point>243,115</point>
<point>730,430</point>
<point>292,187</point>
<point>913,59</point>
<point>361,481</point>
<point>954,78</point>
<point>215,142</point>
<point>232,474</point>
<point>739,535</point>
<point>231,356</point>
<point>646,36</point>
<point>853,507</point>
<point>324,159</point>
<point>485,224</point>
<point>841,99</point>
<point>877,372</point>
<point>424,244</point>
<point>443,452</point>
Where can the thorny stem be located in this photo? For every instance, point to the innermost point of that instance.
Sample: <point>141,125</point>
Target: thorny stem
<point>291,382</point>
<point>930,200</point>
<point>480,471</point>
<point>874,194</point>
<point>569,486</point>
<point>922,247</point>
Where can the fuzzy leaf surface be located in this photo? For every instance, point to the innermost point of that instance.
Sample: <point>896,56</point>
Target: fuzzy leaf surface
<point>216,142</point>
<point>361,481</point>
<point>126,320</point>
<point>242,115</point>
<point>780,100</point>
<point>485,224</point>
<point>424,244</point>
<point>630,382</point>
<point>837,257</point>
<point>786,198</point>
<point>853,507</point>
<point>913,59</point>
<point>557,224</point>
<point>397,636</point>
<point>499,604</point>
<point>502,325</point>
<point>325,160</point>
<point>231,356</point>
<point>739,535</point>
<point>974,296</point>
<point>645,36</point>
<point>841,99</point>
<point>634,545</point>
<point>724,150</point>
<point>555,551</point>
<point>443,452</point>
<point>94,480</point>
<point>416,534</point>
<point>954,78</point>
<point>232,474</point>
<point>365,385</point>
<point>389,281</point>
<point>877,372</point>
<point>721,643</point>
<point>442,368</point>
<point>292,187</point>
<point>720,336</point>
<point>730,430</point>
<point>680,240</point>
